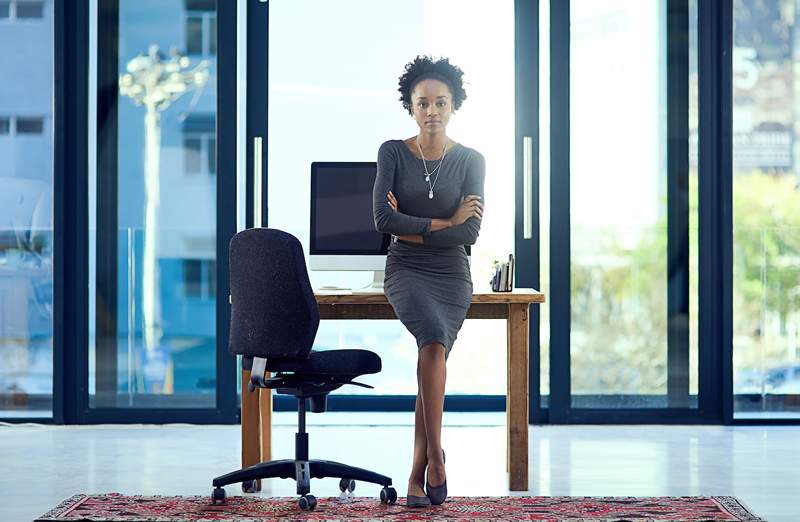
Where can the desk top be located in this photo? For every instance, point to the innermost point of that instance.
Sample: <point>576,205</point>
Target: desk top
<point>518,296</point>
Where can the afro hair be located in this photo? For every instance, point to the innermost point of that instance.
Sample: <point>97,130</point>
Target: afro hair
<point>424,67</point>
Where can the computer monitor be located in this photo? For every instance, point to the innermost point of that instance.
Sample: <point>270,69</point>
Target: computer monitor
<point>343,235</point>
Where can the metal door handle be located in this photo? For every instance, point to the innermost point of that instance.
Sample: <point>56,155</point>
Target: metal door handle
<point>257,181</point>
<point>527,182</point>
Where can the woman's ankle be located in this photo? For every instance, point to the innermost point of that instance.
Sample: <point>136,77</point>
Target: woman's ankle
<point>417,478</point>
<point>436,473</point>
<point>436,459</point>
<point>415,487</point>
<point>436,479</point>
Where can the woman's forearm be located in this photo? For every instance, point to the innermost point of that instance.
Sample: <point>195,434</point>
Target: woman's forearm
<point>436,224</point>
<point>440,224</point>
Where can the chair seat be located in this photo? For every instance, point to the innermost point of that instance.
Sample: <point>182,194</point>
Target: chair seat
<point>330,362</point>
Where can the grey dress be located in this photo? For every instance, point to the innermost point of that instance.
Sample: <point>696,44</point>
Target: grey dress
<point>429,285</point>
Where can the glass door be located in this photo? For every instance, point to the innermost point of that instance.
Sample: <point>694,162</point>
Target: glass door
<point>332,92</point>
<point>766,211</point>
<point>26,210</point>
<point>619,210</point>
<point>160,212</point>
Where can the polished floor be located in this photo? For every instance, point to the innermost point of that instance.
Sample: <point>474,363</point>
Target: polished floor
<point>41,465</point>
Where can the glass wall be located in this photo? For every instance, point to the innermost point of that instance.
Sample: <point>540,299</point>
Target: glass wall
<point>632,340</point>
<point>766,209</point>
<point>153,208</point>
<point>333,97</point>
<point>26,209</point>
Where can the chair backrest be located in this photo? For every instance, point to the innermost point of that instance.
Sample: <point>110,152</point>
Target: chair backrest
<point>273,310</point>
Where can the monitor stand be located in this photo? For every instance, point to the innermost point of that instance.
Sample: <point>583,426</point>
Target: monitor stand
<point>377,281</point>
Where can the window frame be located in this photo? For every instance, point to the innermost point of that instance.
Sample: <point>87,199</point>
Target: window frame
<point>28,3</point>
<point>28,120</point>
<point>204,17</point>
<point>206,152</point>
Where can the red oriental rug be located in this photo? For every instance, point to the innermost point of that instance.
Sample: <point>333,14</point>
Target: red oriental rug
<point>114,507</point>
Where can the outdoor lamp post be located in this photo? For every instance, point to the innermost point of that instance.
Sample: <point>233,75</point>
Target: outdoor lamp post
<point>155,81</point>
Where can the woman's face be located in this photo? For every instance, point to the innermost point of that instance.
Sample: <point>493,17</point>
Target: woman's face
<point>432,104</point>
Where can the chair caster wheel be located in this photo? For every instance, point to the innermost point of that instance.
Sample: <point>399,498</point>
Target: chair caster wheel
<point>388,495</point>
<point>307,502</point>
<point>218,495</point>
<point>347,485</point>
<point>250,486</point>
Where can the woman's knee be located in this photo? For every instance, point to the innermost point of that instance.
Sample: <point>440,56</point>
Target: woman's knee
<point>431,349</point>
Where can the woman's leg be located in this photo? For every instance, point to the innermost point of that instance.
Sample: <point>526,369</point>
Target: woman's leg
<point>433,374</point>
<point>416,480</point>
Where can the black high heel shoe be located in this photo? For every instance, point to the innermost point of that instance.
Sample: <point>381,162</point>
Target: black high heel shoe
<point>437,494</point>
<point>413,501</point>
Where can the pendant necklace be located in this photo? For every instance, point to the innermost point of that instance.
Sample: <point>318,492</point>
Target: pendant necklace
<point>435,171</point>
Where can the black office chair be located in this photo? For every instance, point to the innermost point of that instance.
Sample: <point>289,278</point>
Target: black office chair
<point>274,320</point>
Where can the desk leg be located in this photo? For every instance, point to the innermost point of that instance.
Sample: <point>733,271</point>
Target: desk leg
<point>251,436</point>
<point>517,397</point>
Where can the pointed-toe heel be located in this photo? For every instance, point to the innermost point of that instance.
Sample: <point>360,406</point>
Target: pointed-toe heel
<point>414,501</point>
<point>436,494</point>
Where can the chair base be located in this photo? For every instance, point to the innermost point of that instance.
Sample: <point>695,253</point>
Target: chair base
<point>301,468</point>
<point>301,471</point>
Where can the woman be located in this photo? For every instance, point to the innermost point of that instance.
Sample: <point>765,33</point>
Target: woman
<point>428,194</point>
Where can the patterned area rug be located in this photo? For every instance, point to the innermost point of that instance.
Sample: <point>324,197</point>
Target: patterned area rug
<point>114,507</point>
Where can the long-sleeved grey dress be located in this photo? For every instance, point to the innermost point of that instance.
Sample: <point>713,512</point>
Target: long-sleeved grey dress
<point>429,285</point>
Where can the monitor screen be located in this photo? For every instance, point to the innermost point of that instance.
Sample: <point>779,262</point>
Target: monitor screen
<point>341,210</point>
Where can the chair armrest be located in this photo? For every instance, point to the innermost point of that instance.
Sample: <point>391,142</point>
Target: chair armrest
<point>258,374</point>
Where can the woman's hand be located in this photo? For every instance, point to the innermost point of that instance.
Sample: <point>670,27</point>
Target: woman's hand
<point>470,206</point>
<point>416,238</point>
<point>436,224</point>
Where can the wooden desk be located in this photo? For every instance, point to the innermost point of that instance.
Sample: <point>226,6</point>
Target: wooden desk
<point>513,306</point>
